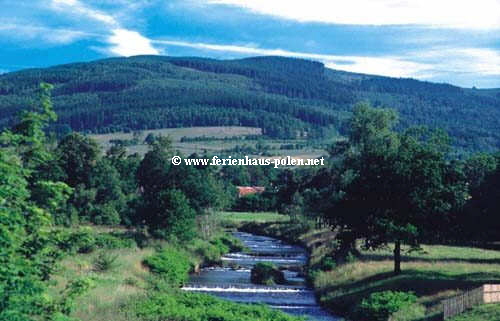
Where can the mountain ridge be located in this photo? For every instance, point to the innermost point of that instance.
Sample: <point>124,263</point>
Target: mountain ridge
<point>286,97</point>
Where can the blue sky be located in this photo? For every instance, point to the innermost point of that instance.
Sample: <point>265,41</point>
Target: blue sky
<point>436,40</point>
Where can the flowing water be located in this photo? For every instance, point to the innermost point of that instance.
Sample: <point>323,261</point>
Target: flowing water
<point>232,281</point>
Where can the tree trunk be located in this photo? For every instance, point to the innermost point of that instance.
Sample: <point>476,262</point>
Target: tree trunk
<point>397,257</point>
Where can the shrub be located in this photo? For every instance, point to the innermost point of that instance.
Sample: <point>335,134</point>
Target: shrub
<point>203,307</point>
<point>106,214</point>
<point>266,273</point>
<point>220,246</point>
<point>327,263</point>
<point>379,306</point>
<point>131,281</point>
<point>81,241</point>
<point>413,312</point>
<point>85,240</point>
<point>114,241</point>
<point>211,252</point>
<point>234,244</point>
<point>105,261</point>
<point>171,264</point>
<point>74,289</point>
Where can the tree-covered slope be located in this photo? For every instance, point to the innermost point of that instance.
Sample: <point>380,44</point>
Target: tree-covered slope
<point>284,96</point>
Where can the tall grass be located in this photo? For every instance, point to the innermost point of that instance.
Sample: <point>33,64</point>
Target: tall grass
<point>433,274</point>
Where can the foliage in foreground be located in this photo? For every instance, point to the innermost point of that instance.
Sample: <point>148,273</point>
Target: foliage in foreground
<point>202,307</point>
<point>379,306</point>
<point>171,264</point>
<point>210,252</point>
<point>486,312</point>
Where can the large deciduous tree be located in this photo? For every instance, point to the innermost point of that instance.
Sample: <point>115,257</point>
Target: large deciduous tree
<point>394,187</point>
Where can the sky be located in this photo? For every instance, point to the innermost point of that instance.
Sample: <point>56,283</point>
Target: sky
<point>452,41</point>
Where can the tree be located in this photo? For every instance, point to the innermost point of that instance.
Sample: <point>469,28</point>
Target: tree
<point>150,139</point>
<point>53,197</point>
<point>28,135</point>
<point>27,257</point>
<point>77,155</point>
<point>110,199</point>
<point>394,187</point>
<point>157,177</point>
<point>479,220</point>
<point>175,217</point>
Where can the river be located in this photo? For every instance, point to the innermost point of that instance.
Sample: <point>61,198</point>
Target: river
<point>232,280</point>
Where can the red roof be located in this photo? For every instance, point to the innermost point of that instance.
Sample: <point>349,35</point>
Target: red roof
<point>249,190</point>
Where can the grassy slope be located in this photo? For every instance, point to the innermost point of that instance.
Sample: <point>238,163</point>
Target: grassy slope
<point>113,288</point>
<point>436,273</point>
<point>242,217</point>
<point>128,291</point>
<point>212,146</point>
<point>487,312</point>
<point>177,133</point>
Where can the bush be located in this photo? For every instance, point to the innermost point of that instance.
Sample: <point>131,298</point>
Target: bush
<point>171,264</point>
<point>234,244</point>
<point>210,252</point>
<point>114,241</point>
<point>327,263</point>
<point>203,307</point>
<point>85,240</point>
<point>73,290</point>
<point>106,214</point>
<point>267,273</point>
<point>379,306</point>
<point>105,261</point>
<point>81,241</point>
<point>413,312</point>
<point>255,203</point>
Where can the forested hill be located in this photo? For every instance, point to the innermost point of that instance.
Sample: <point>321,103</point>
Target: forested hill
<point>284,96</point>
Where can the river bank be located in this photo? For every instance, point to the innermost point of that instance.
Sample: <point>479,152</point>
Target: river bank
<point>126,280</point>
<point>433,274</point>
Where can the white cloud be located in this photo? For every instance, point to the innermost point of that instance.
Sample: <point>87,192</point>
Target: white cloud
<point>50,35</point>
<point>478,14</point>
<point>130,43</point>
<point>387,66</point>
<point>78,8</point>
<point>482,61</point>
<point>433,64</point>
<point>384,66</point>
<point>123,42</point>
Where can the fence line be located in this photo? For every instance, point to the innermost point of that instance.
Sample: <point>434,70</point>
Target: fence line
<point>488,293</point>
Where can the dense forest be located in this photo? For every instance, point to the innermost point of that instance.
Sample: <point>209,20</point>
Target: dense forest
<point>285,97</point>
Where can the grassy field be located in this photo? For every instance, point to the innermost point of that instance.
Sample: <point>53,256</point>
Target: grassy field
<point>112,288</point>
<point>487,312</point>
<point>212,146</point>
<point>177,133</point>
<point>436,273</point>
<point>242,217</point>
